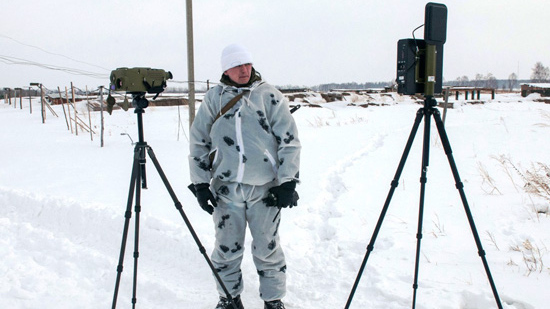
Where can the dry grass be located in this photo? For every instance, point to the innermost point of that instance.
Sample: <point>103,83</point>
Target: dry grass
<point>532,256</point>
<point>488,185</point>
<point>318,122</point>
<point>536,181</point>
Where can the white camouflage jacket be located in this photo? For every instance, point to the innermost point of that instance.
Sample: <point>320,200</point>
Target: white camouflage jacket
<point>254,143</point>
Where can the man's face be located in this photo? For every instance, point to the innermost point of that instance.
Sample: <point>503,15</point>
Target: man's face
<point>240,74</point>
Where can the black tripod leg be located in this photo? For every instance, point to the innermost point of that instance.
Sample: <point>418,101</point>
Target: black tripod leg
<point>137,209</point>
<point>423,180</point>
<point>142,162</point>
<point>188,223</point>
<point>394,184</point>
<point>127,216</point>
<point>460,187</point>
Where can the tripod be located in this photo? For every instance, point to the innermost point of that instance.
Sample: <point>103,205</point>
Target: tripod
<point>425,112</point>
<point>138,174</point>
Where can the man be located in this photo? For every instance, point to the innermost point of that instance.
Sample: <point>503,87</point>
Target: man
<point>244,161</point>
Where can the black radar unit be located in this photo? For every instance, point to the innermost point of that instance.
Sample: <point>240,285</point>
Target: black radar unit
<point>419,71</point>
<point>420,62</point>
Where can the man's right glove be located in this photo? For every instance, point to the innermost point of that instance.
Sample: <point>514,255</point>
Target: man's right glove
<point>204,195</point>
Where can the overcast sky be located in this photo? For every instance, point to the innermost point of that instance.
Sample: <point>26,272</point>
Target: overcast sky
<point>306,42</point>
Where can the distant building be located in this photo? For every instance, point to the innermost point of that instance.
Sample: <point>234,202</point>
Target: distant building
<point>56,98</point>
<point>542,88</point>
<point>292,90</point>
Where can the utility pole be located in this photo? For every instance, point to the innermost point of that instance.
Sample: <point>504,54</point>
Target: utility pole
<point>41,100</point>
<point>101,109</point>
<point>20,97</point>
<point>190,62</point>
<point>74,107</point>
<point>30,100</point>
<point>15,98</point>
<point>7,96</point>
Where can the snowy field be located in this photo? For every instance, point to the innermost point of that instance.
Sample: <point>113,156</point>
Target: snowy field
<point>63,198</point>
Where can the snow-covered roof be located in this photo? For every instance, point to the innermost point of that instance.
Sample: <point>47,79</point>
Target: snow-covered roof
<point>538,85</point>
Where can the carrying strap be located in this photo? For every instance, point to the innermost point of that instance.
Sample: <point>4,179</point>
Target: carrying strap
<point>224,110</point>
<point>229,105</point>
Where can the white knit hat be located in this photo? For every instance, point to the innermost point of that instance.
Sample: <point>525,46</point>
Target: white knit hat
<point>234,55</point>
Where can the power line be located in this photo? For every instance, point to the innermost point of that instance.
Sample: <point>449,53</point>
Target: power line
<point>52,53</point>
<point>19,61</point>
<point>196,82</point>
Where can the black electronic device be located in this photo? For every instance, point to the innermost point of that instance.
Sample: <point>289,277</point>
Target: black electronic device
<point>411,66</point>
<point>420,61</point>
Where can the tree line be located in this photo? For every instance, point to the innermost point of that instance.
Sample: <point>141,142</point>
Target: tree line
<point>539,74</point>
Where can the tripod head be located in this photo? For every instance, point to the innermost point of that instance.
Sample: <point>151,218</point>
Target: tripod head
<point>139,101</point>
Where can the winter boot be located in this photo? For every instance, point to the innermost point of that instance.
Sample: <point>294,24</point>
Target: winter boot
<point>274,304</point>
<point>225,303</point>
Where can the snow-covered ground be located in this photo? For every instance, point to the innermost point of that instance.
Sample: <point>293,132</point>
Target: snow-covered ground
<point>63,198</point>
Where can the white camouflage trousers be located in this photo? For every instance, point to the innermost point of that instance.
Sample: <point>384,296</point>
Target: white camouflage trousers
<point>240,205</point>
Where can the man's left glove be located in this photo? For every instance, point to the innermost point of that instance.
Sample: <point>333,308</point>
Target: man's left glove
<point>204,195</point>
<point>284,195</point>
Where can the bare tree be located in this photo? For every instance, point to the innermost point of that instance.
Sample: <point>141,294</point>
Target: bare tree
<point>462,81</point>
<point>512,81</point>
<point>478,82</point>
<point>491,81</point>
<point>540,74</point>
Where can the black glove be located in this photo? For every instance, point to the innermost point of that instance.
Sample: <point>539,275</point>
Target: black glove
<point>204,195</point>
<point>283,196</point>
